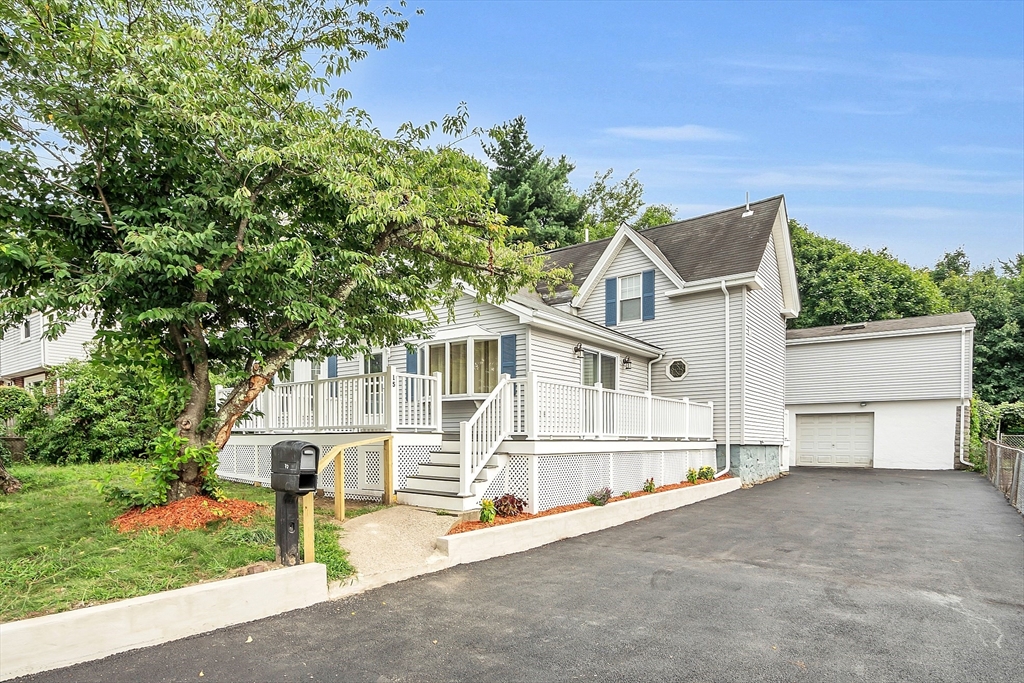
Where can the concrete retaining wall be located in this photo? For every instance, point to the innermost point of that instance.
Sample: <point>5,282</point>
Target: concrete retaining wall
<point>753,464</point>
<point>58,640</point>
<point>483,544</point>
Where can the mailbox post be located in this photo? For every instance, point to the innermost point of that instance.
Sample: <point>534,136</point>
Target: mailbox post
<point>293,473</point>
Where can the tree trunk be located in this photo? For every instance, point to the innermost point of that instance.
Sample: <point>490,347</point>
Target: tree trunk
<point>190,477</point>
<point>8,484</point>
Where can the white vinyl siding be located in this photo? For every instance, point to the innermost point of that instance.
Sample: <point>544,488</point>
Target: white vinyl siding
<point>72,344</point>
<point>19,356</point>
<point>911,367</point>
<point>764,357</point>
<point>690,327</point>
<point>551,357</point>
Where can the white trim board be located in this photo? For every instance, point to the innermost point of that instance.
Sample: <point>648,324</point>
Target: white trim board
<point>608,256</point>
<point>880,335</point>
<point>580,446</point>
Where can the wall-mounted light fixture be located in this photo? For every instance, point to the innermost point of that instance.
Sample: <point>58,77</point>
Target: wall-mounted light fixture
<point>863,403</point>
<point>627,362</point>
<point>578,350</point>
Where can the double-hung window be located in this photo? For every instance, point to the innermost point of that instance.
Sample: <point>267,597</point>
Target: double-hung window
<point>26,329</point>
<point>599,367</point>
<point>373,363</point>
<point>630,293</point>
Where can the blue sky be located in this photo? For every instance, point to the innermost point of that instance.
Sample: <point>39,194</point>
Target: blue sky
<point>884,124</point>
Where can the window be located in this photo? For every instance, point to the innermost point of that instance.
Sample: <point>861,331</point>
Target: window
<point>599,367</point>
<point>485,365</point>
<point>630,292</point>
<point>373,362</point>
<point>677,369</point>
<point>467,366</point>
<point>26,329</point>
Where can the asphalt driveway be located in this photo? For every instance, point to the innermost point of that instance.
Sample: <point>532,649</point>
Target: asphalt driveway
<point>823,575</point>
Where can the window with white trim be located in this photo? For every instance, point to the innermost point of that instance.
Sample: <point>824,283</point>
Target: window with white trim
<point>26,329</point>
<point>599,367</point>
<point>373,363</point>
<point>630,292</point>
<point>468,366</point>
<point>677,369</point>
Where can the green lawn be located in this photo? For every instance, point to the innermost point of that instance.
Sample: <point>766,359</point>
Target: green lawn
<point>59,552</point>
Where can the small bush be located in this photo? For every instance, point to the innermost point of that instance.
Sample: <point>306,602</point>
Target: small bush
<point>691,476</point>
<point>600,496</point>
<point>627,494</point>
<point>649,485</point>
<point>509,506</point>
<point>13,402</point>
<point>707,473</point>
<point>487,511</point>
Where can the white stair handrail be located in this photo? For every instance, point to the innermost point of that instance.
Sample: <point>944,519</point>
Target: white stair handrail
<point>480,435</point>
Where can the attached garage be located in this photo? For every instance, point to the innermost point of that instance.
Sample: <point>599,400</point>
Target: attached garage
<point>887,394</point>
<point>835,439</point>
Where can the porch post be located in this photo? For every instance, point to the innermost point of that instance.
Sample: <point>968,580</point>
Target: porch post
<point>464,464</point>
<point>599,411</point>
<point>506,404</point>
<point>649,403</point>
<point>436,393</point>
<point>316,405</point>
<point>532,409</point>
<point>391,394</point>
<point>711,405</point>
<point>389,471</point>
<point>686,418</point>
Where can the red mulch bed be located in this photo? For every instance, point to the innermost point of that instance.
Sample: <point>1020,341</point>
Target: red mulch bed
<point>463,527</point>
<point>191,513</point>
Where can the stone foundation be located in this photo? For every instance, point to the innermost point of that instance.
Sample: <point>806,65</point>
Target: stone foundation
<point>752,464</point>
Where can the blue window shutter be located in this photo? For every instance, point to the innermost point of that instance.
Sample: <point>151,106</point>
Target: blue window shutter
<point>611,301</point>
<point>647,303</point>
<point>508,355</point>
<point>332,366</point>
<point>412,362</point>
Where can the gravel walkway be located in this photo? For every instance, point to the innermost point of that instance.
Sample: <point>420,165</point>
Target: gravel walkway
<point>392,544</point>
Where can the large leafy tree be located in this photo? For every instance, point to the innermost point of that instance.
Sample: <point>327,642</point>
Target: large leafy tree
<point>997,302</point>
<point>187,172</point>
<point>839,284</point>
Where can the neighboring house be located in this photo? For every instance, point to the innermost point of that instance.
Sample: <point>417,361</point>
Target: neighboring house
<point>26,354</point>
<point>887,394</point>
<point>666,353</point>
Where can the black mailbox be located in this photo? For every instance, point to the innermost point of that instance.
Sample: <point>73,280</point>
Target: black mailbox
<point>293,467</point>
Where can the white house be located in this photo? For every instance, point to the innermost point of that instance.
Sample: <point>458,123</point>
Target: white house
<point>887,394</point>
<point>26,354</point>
<point>666,353</point>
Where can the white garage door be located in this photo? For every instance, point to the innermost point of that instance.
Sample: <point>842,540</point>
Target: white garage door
<point>835,440</point>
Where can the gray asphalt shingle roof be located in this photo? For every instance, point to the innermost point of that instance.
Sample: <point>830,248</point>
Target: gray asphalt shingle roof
<point>923,322</point>
<point>714,245</point>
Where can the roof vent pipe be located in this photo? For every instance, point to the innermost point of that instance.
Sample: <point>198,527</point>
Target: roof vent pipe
<point>748,212</point>
<point>586,234</point>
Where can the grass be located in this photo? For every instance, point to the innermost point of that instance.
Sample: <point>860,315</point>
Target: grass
<point>58,550</point>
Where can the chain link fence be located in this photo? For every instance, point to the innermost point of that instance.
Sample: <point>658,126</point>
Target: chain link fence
<point>1005,468</point>
<point>1012,440</point>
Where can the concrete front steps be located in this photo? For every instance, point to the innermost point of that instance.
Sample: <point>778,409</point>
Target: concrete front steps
<point>436,483</point>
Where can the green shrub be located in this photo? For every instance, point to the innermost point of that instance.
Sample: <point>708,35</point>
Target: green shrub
<point>600,496</point>
<point>99,416</point>
<point>627,494</point>
<point>691,476</point>
<point>487,511</point>
<point>649,485</point>
<point>13,402</point>
<point>707,473</point>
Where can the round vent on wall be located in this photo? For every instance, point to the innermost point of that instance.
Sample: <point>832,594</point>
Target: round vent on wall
<point>677,369</point>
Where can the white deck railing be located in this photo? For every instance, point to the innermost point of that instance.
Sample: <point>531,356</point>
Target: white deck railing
<point>480,435</point>
<point>380,402</point>
<point>543,408</point>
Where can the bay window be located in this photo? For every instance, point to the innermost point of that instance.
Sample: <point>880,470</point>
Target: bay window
<point>468,366</point>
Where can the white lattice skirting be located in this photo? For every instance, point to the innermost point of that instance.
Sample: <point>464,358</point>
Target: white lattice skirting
<point>246,461</point>
<point>565,479</point>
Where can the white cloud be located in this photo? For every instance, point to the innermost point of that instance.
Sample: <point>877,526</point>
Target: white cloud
<point>687,133</point>
<point>887,176</point>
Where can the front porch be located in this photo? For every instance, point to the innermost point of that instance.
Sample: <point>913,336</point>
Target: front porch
<point>548,442</point>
